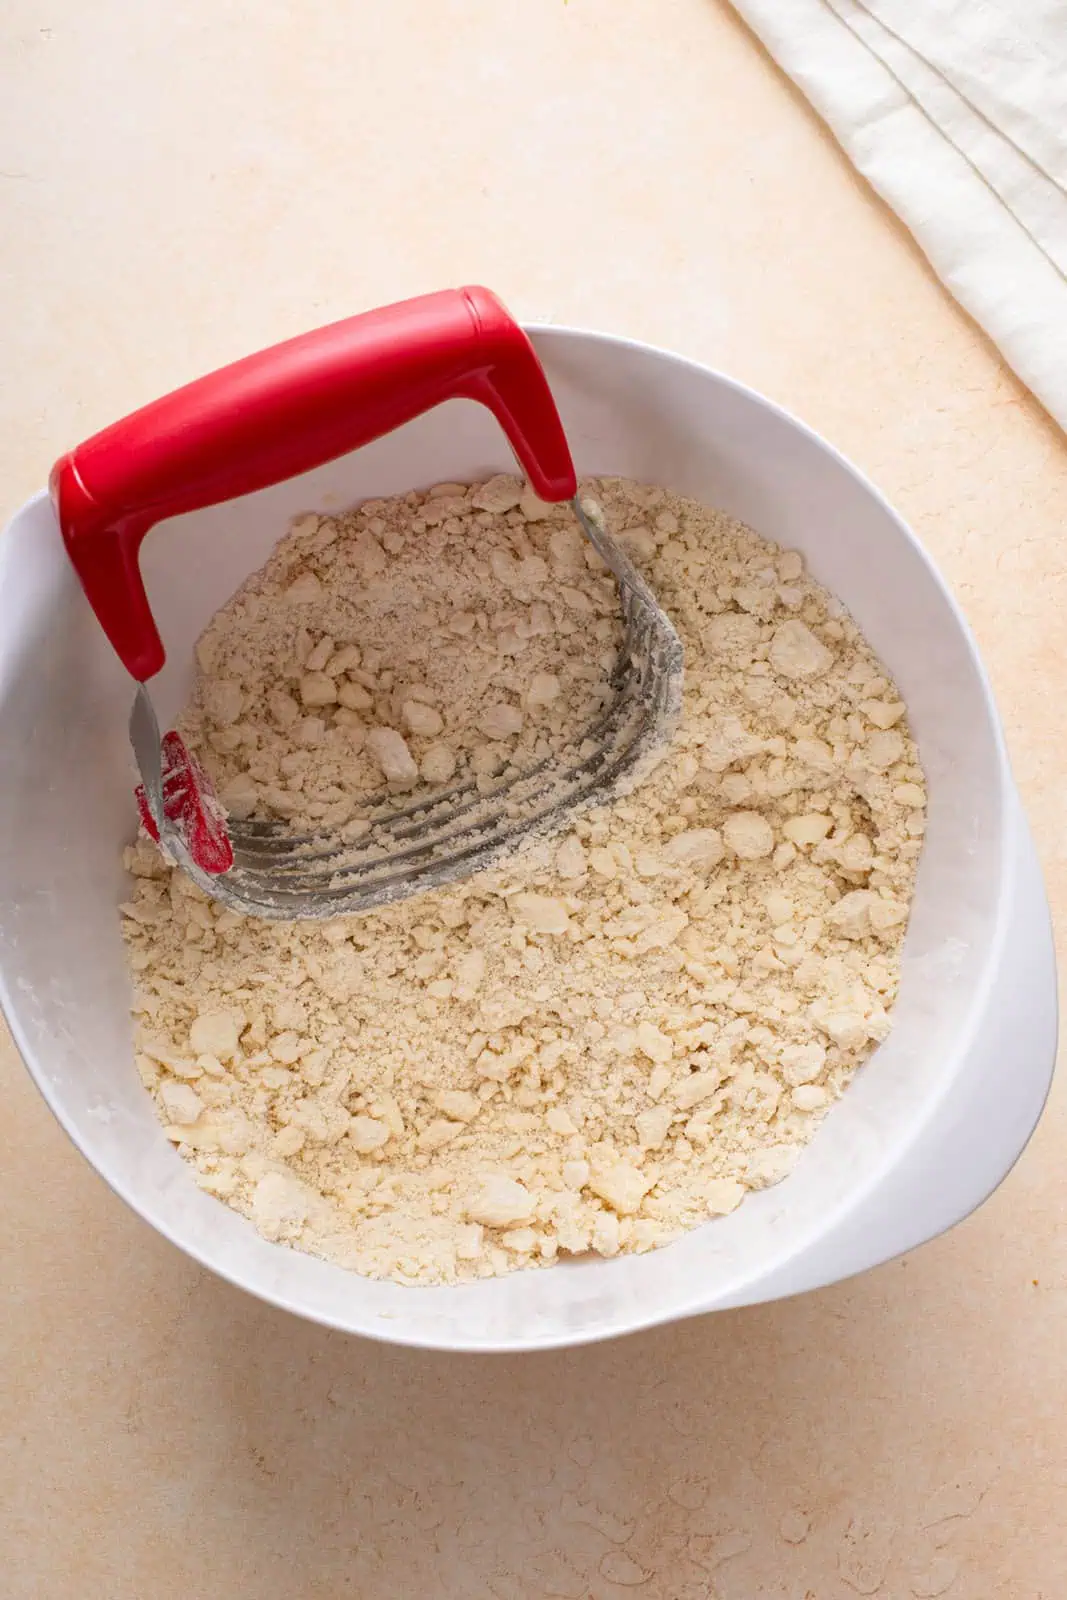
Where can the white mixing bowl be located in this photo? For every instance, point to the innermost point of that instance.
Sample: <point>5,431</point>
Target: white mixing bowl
<point>930,1126</point>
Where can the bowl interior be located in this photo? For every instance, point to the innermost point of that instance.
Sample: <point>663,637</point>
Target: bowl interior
<point>66,809</point>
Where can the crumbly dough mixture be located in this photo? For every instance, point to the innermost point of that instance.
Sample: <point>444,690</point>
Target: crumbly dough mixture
<point>420,641</point>
<point>613,1037</point>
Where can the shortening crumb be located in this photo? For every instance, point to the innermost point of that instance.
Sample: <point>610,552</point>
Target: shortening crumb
<point>617,1034</point>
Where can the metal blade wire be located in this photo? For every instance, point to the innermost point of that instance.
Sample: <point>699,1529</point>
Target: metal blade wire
<point>401,845</point>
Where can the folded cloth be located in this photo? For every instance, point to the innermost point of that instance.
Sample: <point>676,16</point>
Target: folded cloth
<point>956,112</point>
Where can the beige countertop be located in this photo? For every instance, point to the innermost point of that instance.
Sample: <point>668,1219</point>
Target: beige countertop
<point>184,184</point>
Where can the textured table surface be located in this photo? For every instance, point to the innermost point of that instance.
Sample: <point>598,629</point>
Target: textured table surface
<point>184,184</point>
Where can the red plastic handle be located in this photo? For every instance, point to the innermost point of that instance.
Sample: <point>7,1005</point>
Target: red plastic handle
<point>282,412</point>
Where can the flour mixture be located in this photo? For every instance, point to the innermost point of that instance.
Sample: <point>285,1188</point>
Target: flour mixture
<point>618,1034</point>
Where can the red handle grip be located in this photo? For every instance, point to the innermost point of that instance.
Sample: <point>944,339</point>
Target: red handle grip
<point>282,412</point>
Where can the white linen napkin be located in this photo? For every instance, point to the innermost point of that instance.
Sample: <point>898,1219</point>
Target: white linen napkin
<point>956,112</point>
